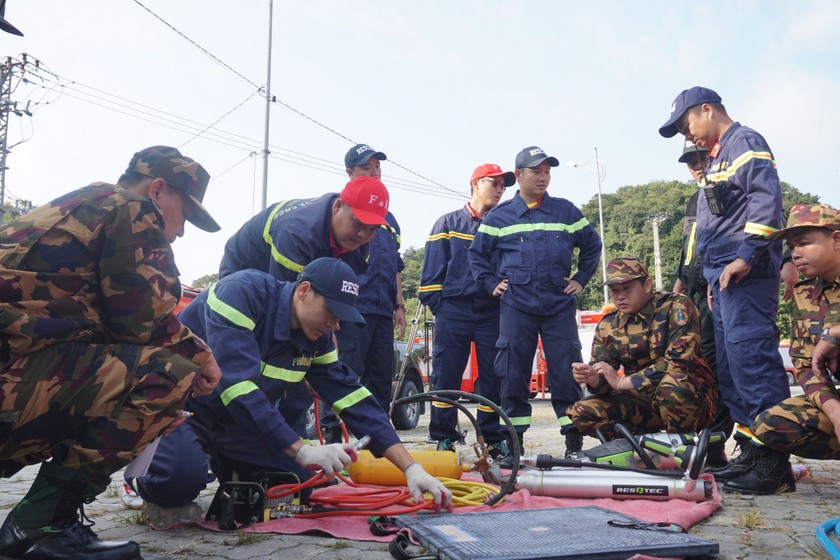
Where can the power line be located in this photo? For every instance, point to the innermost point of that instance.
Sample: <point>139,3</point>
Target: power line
<point>122,105</point>
<point>274,99</point>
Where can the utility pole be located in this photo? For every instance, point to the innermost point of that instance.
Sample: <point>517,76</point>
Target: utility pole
<point>264,196</point>
<point>655,220</point>
<point>6,106</point>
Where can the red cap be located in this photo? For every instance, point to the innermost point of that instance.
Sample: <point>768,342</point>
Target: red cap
<point>368,198</point>
<point>493,170</point>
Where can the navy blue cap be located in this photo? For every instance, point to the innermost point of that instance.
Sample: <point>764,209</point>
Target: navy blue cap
<point>360,154</point>
<point>686,100</point>
<point>339,285</point>
<point>532,156</point>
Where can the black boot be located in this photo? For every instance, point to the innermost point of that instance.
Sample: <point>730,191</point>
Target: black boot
<point>716,456</point>
<point>507,461</point>
<point>46,524</point>
<point>770,474</point>
<point>574,442</point>
<point>738,466</point>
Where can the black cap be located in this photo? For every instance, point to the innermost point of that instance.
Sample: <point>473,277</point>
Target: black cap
<point>532,156</point>
<point>336,281</point>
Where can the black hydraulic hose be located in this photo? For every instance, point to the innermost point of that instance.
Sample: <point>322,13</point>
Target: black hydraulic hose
<point>547,461</point>
<point>628,435</point>
<point>451,397</point>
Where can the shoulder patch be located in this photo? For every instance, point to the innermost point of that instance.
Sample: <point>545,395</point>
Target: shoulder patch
<point>680,317</point>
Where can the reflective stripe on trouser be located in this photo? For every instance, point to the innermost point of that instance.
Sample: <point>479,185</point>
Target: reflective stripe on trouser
<point>179,470</point>
<point>517,344</point>
<point>91,407</point>
<point>674,408</point>
<point>750,371</point>
<point>798,427</point>
<point>456,326</point>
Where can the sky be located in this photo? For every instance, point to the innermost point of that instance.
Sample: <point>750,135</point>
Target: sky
<point>439,86</point>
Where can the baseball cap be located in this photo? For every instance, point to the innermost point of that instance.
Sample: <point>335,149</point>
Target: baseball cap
<point>336,281</point>
<point>624,269</point>
<point>360,154</point>
<point>690,149</point>
<point>532,156</point>
<point>368,198</point>
<point>809,215</point>
<point>493,170</point>
<point>686,100</point>
<point>179,172</point>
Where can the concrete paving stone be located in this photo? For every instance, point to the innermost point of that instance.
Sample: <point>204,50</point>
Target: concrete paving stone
<point>790,520</point>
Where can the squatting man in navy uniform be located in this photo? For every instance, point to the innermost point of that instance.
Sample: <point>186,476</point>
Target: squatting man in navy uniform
<point>269,335</point>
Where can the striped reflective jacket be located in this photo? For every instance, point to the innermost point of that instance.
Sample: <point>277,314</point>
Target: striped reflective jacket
<point>285,237</point>
<point>534,247</point>
<point>246,319</point>
<point>446,267</point>
<point>752,198</point>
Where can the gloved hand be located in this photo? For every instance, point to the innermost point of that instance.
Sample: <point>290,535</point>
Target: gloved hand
<point>419,481</point>
<point>331,458</point>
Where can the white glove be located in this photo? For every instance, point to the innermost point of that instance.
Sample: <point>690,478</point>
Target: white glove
<point>330,458</point>
<point>419,481</point>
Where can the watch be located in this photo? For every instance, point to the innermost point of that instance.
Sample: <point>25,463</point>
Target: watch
<point>833,340</point>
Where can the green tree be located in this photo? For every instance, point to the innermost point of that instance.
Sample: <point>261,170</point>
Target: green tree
<point>790,197</point>
<point>205,281</point>
<point>628,231</point>
<point>413,259</point>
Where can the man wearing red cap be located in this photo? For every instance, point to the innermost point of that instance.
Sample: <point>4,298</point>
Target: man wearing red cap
<point>369,349</point>
<point>285,237</point>
<point>463,315</point>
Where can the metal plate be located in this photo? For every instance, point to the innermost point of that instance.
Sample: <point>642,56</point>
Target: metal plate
<point>573,532</point>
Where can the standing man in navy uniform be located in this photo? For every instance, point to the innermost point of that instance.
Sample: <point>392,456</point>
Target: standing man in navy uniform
<point>741,206</point>
<point>463,314</point>
<point>534,236</point>
<point>369,349</point>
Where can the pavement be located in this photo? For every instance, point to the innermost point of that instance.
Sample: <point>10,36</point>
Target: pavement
<point>747,527</point>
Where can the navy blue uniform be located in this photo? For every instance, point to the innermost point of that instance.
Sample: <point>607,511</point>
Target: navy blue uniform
<point>245,317</point>
<point>369,349</point>
<point>749,367</point>
<point>534,247</point>
<point>282,240</point>
<point>285,237</point>
<point>463,315</point>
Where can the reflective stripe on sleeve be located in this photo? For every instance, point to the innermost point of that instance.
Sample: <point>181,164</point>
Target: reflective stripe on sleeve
<point>228,312</point>
<point>355,397</point>
<point>234,391</point>
<point>759,229</point>
<point>326,359</point>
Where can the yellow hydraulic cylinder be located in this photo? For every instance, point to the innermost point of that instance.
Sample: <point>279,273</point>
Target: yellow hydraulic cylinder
<point>370,470</point>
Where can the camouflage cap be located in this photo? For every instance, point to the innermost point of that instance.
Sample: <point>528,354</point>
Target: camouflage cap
<point>180,172</point>
<point>624,269</point>
<point>809,215</point>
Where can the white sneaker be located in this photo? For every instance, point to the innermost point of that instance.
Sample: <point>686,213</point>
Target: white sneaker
<point>129,497</point>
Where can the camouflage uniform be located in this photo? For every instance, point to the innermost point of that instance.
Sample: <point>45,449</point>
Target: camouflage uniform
<point>659,349</point>
<point>797,425</point>
<point>93,363</point>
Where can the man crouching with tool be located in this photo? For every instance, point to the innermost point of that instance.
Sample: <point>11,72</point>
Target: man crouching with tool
<point>268,335</point>
<point>655,336</point>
